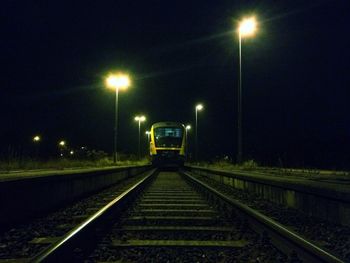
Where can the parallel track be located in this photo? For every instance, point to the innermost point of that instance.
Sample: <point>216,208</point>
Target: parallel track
<point>281,237</point>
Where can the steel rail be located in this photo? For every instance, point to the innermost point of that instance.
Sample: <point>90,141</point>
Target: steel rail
<point>85,233</point>
<point>283,238</point>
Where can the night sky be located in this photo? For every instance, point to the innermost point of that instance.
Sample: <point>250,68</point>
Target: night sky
<point>56,54</point>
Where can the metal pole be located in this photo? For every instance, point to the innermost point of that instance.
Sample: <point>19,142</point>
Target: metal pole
<point>115,126</point>
<point>139,154</point>
<point>186,149</point>
<point>239,124</point>
<point>148,142</point>
<point>196,156</point>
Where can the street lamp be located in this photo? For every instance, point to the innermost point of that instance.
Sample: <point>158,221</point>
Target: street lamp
<point>199,107</point>
<point>36,138</point>
<point>61,145</point>
<point>188,127</point>
<point>246,28</point>
<point>139,119</point>
<point>148,133</point>
<point>117,81</point>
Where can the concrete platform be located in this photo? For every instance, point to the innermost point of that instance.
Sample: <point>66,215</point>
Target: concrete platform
<point>324,195</point>
<point>27,174</point>
<point>28,194</point>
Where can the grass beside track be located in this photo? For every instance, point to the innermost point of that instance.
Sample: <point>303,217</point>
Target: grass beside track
<point>62,164</point>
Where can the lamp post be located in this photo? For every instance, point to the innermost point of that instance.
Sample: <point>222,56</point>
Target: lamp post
<point>199,107</point>
<point>148,133</point>
<point>188,127</point>
<point>139,119</point>
<point>36,140</point>
<point>62,145</point>
<point>246,28</point>
<point>117,81</point>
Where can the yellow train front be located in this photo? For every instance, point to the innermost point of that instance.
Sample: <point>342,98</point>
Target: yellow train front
<point>167,144</point>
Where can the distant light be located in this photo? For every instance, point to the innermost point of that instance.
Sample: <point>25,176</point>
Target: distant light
<point>140,118</point>
<point>199,107</point>
<point>62,143</point>
<point>148,132</point>
<point>188,127</point>
<point>71,152</point>
<point>118,81</point>
<point>36,138</point>
<point>61,154</point>
<point>247,27</point>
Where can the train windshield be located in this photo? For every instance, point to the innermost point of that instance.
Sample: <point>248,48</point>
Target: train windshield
<point>168,136</point>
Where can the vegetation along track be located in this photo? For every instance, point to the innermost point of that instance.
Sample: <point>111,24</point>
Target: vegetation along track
<point>172,217</point>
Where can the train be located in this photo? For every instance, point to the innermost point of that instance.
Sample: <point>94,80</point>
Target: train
<point>167,144</point>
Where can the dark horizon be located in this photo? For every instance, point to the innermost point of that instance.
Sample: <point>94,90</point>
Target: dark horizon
<point>55,57</point>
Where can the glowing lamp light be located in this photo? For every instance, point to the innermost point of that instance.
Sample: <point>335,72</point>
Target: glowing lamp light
<point>199,107</point>
<point>247,27</point>
<point>188,127</point>
<point>36,138</point>
<point>118,81</point>
<point>62,143</point>
<point>140,118</point>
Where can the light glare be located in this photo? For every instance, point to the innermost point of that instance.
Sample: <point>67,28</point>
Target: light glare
<point>199,107</point>
<point>140,118</point>
<point>247,27</point>
<point>118,81</point>
<point>36,138</point>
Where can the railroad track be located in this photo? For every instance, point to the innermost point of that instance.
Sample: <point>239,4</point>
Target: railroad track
<point>168,216</point>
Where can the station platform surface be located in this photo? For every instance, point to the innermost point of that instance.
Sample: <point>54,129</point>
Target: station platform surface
<point>26,174</point>
<point>338,181</point>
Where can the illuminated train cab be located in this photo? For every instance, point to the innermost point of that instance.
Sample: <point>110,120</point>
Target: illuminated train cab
<point>167,144</point>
